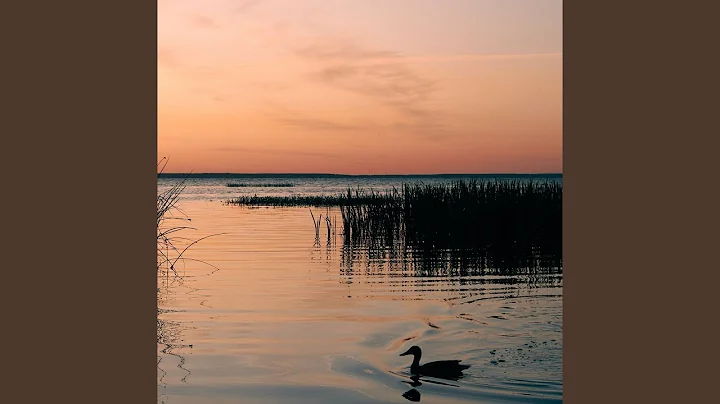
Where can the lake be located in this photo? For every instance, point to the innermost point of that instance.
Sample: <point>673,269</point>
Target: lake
<point>263,311</point>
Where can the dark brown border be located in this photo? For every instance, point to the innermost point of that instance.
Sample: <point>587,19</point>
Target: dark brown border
<point>79,152</point>
<point>637,247</point>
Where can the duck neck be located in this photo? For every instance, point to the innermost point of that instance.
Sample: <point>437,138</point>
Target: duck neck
<point>416,361</point>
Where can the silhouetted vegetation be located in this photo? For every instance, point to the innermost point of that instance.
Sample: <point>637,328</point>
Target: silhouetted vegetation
<point>166,234</point>
<point>303,200</point>
<point>405,261</point>
<point>500,224</point>
<point>480,224</point>
<point>168,213</point>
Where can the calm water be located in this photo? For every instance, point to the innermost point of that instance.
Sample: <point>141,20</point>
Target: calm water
<point>284,319</point>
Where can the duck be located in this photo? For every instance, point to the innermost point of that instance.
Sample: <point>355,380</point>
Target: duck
<point>447,369</point>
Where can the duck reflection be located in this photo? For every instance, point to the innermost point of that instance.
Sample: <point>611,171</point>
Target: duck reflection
<point>415,381</point>
<point>412,395</point>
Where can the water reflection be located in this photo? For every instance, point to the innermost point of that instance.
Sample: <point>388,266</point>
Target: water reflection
<point>463,276</point>
<point>429,262</point>
<point>170,333</point>
<point>289,320</point>
<point>412,395</point>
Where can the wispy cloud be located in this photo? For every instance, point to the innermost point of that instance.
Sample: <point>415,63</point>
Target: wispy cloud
<point>394,57</point>
<point>202,21</point>
<point>274,152</point>
<point>481,57</point>
<point>381,74</point>
<point>167,57</point>
<point>321,124</point>
<point>342,50</point>
<point>270,86</point>
<point>246,6</point>
<point>389,81</point>
<point>293,118</point>
<point>384,75</point>
<point>172,59</point>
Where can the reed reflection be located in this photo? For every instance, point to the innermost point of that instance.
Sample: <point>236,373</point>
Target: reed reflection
<point>401,260</point>
<point>170,333</point>
<point>455,276</point>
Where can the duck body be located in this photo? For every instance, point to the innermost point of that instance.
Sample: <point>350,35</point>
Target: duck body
<point>447,369</point>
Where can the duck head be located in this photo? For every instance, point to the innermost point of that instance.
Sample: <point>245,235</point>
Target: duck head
<point>416,353</point>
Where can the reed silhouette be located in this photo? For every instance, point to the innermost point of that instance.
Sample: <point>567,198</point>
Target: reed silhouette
<point>503,225</point>
<point>507,226</point>
<point>169,250</point>
<point>297,200</point>
<point>514,214</point>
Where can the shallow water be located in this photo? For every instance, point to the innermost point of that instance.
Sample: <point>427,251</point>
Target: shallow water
<point>285,319</point>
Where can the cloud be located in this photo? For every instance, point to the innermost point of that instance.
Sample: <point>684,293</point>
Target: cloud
<point>393,82</point>
<point>482,57</point>
<point>246,6</point>
<point>167,57</point>
<point>269,86</point>
<point>384,75</point>
<point>321,124</point>
<point>202,21</point>
<point>381,74</point>
<point>274,152</point>
<point>293,118</point>
<point>341,50</point>
<point>173,59</point>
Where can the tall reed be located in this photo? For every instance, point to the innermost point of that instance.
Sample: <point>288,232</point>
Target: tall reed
<point>171,220</point>
<point>501,223</point>
<point>299,200</point>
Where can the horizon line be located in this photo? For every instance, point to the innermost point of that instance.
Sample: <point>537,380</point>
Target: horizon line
<point>361,175</point>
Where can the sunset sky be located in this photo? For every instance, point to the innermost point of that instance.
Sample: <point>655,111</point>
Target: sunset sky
<point>360,87</point>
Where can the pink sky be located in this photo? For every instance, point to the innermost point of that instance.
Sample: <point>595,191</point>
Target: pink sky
<point>360,87</point>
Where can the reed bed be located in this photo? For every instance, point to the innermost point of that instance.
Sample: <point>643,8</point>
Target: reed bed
<point>358,197</point>
<point>499,224</point>
<point>262,185</point>
<point>489,224</point>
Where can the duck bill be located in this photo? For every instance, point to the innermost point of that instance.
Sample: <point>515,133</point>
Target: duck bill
<point>406,353</point>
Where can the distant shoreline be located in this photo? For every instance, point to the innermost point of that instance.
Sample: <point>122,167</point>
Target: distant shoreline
<point>324,175</point>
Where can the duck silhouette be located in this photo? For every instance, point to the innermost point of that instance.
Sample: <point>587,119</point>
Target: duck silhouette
<point>448,369</point>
